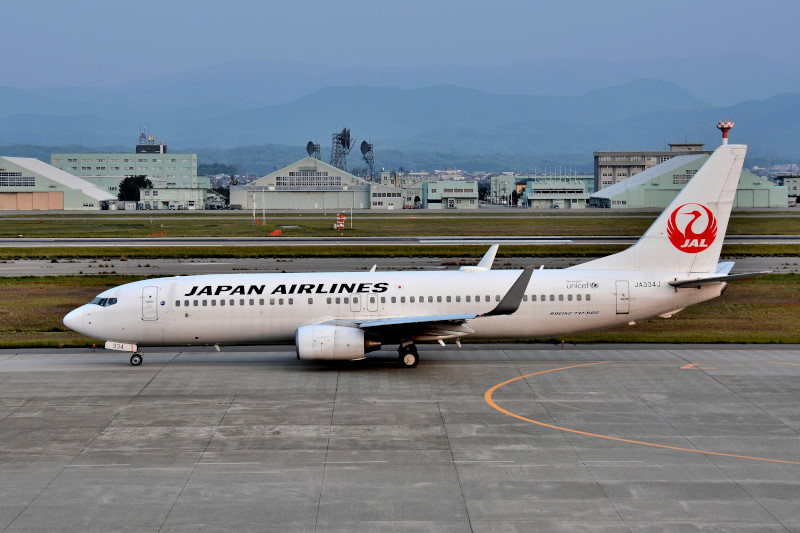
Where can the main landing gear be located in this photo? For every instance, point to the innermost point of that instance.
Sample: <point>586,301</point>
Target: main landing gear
<point>136,359</point>
<point>409,357</point>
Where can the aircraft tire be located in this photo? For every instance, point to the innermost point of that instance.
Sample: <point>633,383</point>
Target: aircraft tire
<point>136,359</point>
<point>409,358</point>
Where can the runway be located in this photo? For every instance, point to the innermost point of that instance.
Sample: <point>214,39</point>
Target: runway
<point>600,438</point>
<point>185,267</point>
<point>158,241</point>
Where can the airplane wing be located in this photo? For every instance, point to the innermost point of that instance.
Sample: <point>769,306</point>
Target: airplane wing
<point>435,327</point>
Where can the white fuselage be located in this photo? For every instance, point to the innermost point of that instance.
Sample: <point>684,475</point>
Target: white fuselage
<point>264,308</point>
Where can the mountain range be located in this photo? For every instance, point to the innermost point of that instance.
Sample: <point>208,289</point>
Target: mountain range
<point>447,124</point>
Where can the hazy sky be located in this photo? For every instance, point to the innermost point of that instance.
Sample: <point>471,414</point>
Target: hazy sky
<point>110,42</point>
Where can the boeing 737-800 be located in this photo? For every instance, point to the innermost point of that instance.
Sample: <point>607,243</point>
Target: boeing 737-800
<point>342,316</point>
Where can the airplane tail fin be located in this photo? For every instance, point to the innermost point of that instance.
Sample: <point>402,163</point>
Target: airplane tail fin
<point>688,235</point>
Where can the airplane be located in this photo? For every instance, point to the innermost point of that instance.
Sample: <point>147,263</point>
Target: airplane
<point>344,315</point>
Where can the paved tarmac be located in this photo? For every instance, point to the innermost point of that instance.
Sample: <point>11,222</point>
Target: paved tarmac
<point>185,267</point>
<point>595,438</point>
<point>157,242</point>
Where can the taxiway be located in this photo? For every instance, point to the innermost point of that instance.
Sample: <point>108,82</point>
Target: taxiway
<point>600,438</point>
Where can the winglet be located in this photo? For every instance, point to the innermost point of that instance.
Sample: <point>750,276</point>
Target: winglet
<point>486,261</point>
<point>511,301</point>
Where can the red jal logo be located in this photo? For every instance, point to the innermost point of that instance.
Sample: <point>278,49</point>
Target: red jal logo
<point>687,217</point>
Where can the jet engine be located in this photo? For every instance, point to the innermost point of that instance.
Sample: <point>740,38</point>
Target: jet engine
<point>332,343</point>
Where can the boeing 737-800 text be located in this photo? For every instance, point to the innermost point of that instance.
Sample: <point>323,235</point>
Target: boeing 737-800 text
<point>342,316</point>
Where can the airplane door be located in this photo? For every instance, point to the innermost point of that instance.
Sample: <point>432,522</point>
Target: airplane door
<point>150,303</point>
<point>623,297</point>
<point>372,303</point>
<point>355,303</point>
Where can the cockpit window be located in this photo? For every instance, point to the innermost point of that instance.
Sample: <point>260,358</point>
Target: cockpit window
<point>104,302</point>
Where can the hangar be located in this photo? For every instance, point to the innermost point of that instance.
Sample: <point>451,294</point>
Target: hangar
<point>29,184</point>
<point>312,184</point>
<point>657,186</point>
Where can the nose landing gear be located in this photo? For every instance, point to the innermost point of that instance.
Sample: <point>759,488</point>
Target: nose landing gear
<point>136,359</point>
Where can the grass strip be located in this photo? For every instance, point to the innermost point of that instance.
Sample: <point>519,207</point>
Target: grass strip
<point>765,309</point>
<point>411,250</point>
<point>595,222</point>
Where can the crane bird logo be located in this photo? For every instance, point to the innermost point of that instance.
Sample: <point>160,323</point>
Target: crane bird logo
<point>686,217</point>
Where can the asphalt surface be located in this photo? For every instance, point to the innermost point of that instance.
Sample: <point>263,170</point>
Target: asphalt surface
<point>150,242</point>
<point>184,267</point>
<point>594,438</point>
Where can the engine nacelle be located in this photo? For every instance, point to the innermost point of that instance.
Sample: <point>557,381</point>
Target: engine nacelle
<point>332,343</point>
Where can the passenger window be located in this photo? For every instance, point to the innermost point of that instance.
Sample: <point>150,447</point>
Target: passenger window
<point>447,298</point>
<point>241,301</point>
<point>560,297</point>
<point>311,300</point>
<point>468,298</point>
<point>403,299</point>
<point>438,298</point>
<point>411,299</point>
<point>458,298</point>
<point>383,299</point>
<point>588,297</point>
<point>578,297</point>
<point>338,300</point>
<point>261,301</point>
<point>346,300</point>
<point>213,303</point>
<point>569,297</point>
<point>543,298</point>
<point>280,301</point>
<point>291,301</point>
<point>372,299</point>
<point>430,299</point>
<point>232,301</point>
<point>329,300</point>
<point>186,303</point>
<point>177,303</point>
<point>552,297</point>
<point>496,297</point>
<point>272,301</point>
<point>524,297</point>
<point>533,297</point>
<point>205,303</point>
<point>222,303</point>
<point>252,302</point>
<point>488,298</point>
<point>394,299</point>
<point>195,303</point>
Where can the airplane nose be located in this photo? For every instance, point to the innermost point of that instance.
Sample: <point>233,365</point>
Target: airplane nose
<point>74,320</point>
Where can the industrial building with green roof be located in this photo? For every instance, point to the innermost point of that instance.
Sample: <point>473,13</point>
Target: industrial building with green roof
<point>656,187</point>
<point>29,184</point>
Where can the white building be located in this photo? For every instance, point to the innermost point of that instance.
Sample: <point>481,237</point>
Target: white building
<point>312,184</point>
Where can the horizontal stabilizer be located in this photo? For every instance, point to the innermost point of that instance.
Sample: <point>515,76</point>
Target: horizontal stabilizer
<point>699,282</point>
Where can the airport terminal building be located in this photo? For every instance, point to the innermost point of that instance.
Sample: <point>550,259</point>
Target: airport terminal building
<point>312,184</point>
<point>30,184</point>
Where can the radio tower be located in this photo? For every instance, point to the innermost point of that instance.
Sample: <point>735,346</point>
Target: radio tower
<point>725,126</point>
<point>340,147</point>
<point>369,159</point>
